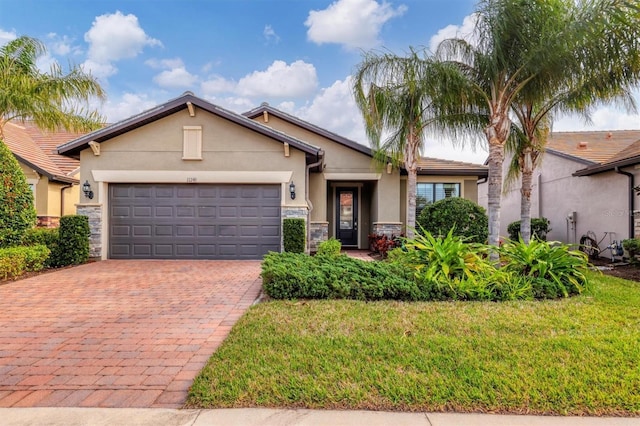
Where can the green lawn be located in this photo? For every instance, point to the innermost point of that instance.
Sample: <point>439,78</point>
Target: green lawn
<point>574,356</point>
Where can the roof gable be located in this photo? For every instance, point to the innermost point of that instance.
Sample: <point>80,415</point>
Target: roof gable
<point>437,166</point>
<point>37,149</point>
<point>186,101</point>
<point>265,107</point>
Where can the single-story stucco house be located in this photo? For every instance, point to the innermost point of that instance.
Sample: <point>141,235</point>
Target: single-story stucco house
<point>191,180</point>
<point>584,183</point>
<point>53,178</point>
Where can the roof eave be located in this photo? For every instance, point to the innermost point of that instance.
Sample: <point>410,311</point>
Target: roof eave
<point>569,156</point>
<point>51,176</point>
<point>602,168</point>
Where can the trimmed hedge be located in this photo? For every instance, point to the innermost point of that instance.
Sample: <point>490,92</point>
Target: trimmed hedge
<point>466,218</point>
<point>298,276</point>
<point>15,261</point>
<point>73,242</point>
<point>293,235</point>
<point>48,237</point>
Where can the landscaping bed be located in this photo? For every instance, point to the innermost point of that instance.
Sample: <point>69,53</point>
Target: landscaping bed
<point>573,356</point>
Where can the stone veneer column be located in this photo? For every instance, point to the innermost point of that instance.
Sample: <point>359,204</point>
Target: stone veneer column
<point>636,224</point>
<point>390,229</point>
<point>319,232</point>
<point>94,213</point>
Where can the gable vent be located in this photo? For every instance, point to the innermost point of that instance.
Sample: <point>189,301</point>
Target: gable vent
<point>583,145</point>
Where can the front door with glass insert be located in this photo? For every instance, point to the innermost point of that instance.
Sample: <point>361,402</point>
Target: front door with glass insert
<point>347,216</point>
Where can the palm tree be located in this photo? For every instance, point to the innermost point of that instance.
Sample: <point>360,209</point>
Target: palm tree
<point>399,96</point>
<point>599,35</point>
<point>52,99</point>
<point>530,49</point>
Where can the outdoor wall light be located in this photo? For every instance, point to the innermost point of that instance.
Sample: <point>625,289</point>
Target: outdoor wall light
<point>86,188</point>
<point>292,190</point>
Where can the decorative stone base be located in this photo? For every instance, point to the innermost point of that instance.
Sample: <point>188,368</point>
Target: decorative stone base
<point>94,213</point>
<point>636,224</point>
<point>319,232</point>
<point>48,222</point>
<point>390,229</point>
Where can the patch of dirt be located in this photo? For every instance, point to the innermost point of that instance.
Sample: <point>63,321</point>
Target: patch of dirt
<point>617,269</point>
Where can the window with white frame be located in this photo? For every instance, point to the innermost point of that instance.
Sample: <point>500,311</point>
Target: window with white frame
<point>428,193</point>
<point>192,143</point>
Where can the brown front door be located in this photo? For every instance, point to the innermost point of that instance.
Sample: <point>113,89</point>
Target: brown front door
<point>347,216</point>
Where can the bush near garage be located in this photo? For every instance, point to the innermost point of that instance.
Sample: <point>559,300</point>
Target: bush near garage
<point>73,241</point>
<point>293,235</point>
<point>45,236</point>
<point>15,261</point>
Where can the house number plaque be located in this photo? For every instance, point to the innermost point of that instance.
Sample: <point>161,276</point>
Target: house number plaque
<point>192,180</point>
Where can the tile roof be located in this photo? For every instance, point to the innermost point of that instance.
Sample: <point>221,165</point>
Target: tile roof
<point>592,147</point>
<point>39,149</point>
<point>437,166</point>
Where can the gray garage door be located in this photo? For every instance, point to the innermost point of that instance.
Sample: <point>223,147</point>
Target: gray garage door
<point>193,221</point>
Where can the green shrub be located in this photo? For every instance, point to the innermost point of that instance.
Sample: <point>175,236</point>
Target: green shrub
<point>632,246</point>
<point>298,276</point>
<point>330,247</point>
<point>15,261</point>
<point>467,218</point>
<point>17,213</point>
<point>539,229</point>
<point>73,243</point>
<point>551,261</point>
<point>293,235</point>
<point>48,237</point>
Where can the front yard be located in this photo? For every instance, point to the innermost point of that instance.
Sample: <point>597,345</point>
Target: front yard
<point>576,356</point>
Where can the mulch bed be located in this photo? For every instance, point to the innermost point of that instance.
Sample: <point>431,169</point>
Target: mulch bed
<point>617,269</point>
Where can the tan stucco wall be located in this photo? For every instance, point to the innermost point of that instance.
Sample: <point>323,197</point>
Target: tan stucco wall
<point>601,201</point>
<point>340,159</point>
<point>226,146</point>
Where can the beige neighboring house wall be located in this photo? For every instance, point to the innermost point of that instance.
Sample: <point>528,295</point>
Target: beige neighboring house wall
<point>601,201</point>
<point>53,177</point>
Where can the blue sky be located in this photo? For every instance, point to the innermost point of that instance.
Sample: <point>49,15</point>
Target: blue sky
<point>295,54</point>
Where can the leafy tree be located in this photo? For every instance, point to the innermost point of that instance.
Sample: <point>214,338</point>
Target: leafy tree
<point>17,213</point>
<point>599,61</point>
<point>48,99</point>
<point>53,99</point>
<point>401,97</point>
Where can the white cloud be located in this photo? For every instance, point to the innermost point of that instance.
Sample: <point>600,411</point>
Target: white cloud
<point>165,63</point>
<point>62,45</point>
<point>7,36</point>
<point>334,108</point>
<point>175,78</point>
<point>270,34</point>
<point>280,80</point>
<point>236,104</point>
<point>352,23</point>
<point>464,31</point>
<point>217,84</point>
<point>114,37</point>
<point>603,118</point>
<point>128,105</point>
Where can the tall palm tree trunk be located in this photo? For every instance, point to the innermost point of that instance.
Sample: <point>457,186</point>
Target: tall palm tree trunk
<point>525,202</point>
<point>497,133</point>
<point>411,165</point>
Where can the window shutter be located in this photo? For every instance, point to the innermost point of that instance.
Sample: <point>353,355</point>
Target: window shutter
<point>192,143</point>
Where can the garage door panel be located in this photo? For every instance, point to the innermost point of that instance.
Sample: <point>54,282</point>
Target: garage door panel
<point>199,221</point>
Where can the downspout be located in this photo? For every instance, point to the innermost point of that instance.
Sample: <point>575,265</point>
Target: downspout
<point>306,195</point>
<point>62,198</point>
<point>631,199</point>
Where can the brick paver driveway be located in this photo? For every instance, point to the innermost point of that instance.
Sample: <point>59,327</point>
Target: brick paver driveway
<point>117,333</point>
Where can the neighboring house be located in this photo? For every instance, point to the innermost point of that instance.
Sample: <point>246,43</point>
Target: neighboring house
<point>52,177</point>
<point>589,173</point>
<point>189,179</point>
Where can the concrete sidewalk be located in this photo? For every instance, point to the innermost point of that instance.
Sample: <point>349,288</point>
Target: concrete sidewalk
<point>59,416</point>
